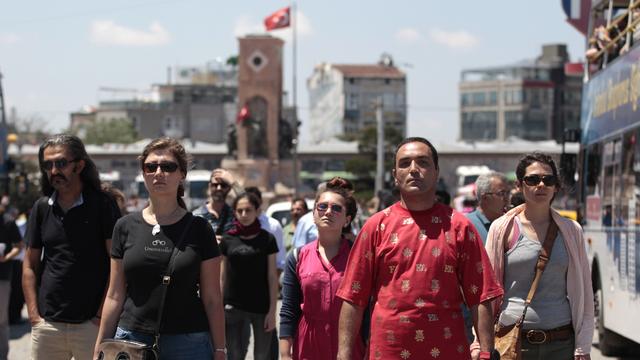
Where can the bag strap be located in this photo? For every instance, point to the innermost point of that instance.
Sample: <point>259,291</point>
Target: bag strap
<point>543,259</point>
<point>166,280</point>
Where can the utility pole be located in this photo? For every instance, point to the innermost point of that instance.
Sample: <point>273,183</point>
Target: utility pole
<point>294,88</point>
<point>4,156</point>
<point>379,148</point>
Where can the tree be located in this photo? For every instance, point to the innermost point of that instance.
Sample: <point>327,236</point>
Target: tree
<point>364,167</point>
<point>112,131</point>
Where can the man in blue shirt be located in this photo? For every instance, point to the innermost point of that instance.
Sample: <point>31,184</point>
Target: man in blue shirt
<point>493,192</point>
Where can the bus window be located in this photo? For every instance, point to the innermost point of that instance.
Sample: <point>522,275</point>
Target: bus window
<point>611,183</point>
<point>593,168</point>
<point>628,189</point>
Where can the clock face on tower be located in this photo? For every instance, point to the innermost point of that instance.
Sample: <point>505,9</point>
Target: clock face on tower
<point>257,61</point>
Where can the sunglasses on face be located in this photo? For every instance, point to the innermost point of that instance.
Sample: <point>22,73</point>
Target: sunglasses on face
<point>534,180</point>
<point>219,185</point>
<point>167,167</point>
<point>323,207</point>
<point>59,164</point>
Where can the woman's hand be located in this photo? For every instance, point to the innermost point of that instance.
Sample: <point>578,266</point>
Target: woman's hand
<point>270,321</point>
<point>285,345</point>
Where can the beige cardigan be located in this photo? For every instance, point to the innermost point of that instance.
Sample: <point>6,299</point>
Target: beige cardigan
<point>579,290</point>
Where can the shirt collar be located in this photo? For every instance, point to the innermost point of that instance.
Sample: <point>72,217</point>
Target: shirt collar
<point>481,216</point>
<point>54,197</point>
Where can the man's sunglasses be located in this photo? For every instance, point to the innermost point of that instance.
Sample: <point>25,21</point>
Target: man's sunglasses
<point>167,167</point>
<point>59,164</point>
<point>221,185</point>
<point>534,180</point>
<point>323,207</point>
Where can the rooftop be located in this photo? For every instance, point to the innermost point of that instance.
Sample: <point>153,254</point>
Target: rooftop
<point>369,71</point>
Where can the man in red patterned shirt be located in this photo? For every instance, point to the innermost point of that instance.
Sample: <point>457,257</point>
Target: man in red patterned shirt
<point>417,261</point>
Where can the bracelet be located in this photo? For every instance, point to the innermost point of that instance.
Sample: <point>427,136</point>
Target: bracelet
<point>222,350</point>
<point>485,355</point>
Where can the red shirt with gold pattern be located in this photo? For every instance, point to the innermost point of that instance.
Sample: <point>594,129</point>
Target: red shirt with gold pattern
<point>418,267</point>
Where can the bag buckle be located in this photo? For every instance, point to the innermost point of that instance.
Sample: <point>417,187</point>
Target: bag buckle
<point>166,280</point>
<point>536,337</point>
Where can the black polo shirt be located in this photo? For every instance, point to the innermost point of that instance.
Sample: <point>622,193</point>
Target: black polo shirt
<point>75,265</point>
<point>9,236</point>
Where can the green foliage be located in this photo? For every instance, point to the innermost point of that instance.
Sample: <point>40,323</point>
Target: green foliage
<point>113,131</point>
<point>232,60</point>
<point>367,138</point>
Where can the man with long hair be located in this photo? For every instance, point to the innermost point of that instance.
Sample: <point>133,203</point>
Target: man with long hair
<point>66,266</point>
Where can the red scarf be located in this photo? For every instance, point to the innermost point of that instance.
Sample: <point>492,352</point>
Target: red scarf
<point>241,230</point>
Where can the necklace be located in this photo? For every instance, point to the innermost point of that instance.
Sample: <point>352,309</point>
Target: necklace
<point>156,228</point>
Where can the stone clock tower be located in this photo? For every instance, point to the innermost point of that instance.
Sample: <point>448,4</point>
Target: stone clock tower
<point>260,95</point>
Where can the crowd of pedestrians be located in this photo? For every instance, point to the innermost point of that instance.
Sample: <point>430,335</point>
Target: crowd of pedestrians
<point>418,280</point>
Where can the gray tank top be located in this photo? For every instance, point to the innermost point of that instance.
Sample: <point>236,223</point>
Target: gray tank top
<point>549,308</point>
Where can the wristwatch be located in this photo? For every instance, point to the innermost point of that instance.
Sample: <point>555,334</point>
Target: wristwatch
<point>222,350</point>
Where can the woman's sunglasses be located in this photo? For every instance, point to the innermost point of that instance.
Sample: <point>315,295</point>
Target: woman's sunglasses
<point>167,167</point>
<point>323,207</point>
<point>534,180</point>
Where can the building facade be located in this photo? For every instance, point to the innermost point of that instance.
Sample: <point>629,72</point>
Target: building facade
<point>201,106</point>
<point>531,100</point>
<point>342,98</point>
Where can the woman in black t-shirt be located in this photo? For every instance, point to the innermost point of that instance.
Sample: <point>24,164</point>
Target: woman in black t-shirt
<point>193,315</point>
<point>250,281</point>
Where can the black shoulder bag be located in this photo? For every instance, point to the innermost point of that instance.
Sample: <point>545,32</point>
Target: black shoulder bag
<point>119,349</point>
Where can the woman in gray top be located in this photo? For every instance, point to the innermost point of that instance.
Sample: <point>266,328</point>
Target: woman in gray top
<point>554,325</point>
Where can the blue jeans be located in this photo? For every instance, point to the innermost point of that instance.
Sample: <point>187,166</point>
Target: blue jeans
<point>186,346</point>
<point>237,331</point>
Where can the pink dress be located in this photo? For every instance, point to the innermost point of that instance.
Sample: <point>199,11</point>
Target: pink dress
<point>317,335</point>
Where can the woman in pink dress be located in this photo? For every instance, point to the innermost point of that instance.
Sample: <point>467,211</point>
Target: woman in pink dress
<point>310,309</point>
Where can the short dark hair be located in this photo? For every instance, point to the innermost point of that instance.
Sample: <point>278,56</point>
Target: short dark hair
<point>253,199</point>
<point>434,152</point>
<point>533,157</point>
<point>89,174</point>
<point>300,200</point>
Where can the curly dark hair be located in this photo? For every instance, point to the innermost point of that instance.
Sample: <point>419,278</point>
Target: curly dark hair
<point>533,157</point>
<point>89,174</point>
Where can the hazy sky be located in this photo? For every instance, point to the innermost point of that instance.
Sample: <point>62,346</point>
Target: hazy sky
<point>54,55</point>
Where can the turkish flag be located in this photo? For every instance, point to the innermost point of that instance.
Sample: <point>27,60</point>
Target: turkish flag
<point>243,115</point>
<point>278,20</point>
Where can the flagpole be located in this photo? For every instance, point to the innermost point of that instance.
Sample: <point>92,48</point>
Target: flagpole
<point>294,88</point>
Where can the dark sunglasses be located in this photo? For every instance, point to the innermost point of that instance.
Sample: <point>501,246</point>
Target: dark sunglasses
<point>221,185</point>
<point>167,167</point>
<point>59,164</point>
<point>534,180</point>
<point>323,207</point>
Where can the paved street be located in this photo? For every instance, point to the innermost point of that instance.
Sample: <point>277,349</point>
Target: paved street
<point>20,336</point>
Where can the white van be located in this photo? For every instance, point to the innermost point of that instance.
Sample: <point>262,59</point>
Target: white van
<point>112,177</point>
<point>467,176</point>
<point>195,192</point>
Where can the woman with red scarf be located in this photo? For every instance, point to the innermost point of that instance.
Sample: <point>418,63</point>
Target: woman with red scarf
<point>249,281</point>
